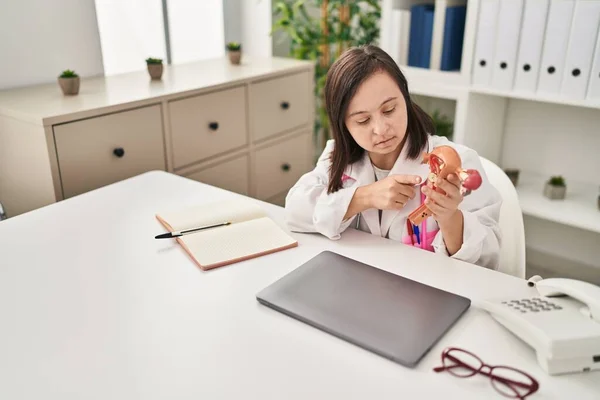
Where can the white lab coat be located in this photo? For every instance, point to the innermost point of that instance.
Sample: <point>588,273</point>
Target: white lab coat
<point>310,209</point>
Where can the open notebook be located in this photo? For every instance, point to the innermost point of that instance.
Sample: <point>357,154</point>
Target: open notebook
<point>251,233</point>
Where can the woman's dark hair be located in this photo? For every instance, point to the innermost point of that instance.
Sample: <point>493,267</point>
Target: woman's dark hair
<point>344,77</point>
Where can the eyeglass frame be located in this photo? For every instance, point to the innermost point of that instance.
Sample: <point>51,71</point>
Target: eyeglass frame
<point>508,382</point>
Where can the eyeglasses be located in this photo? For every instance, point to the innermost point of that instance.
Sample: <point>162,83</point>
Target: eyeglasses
<point>508,381</point>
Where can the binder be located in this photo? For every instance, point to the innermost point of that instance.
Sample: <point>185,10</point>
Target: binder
<point>530,45</point>
<point>427,37</point>
<point>507,41</point>
<point>421,35</point>
<point>454,29</point>
<point>582,40</point>
<point>400,34</point>
<point>556,39</point>
<point>484,42</point>
<point>417,15</point>
<point>593,92</point>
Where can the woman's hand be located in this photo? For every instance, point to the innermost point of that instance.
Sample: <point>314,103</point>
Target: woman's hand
<point>390,193</point>
<point>444,206</point>
<point>393,192</point>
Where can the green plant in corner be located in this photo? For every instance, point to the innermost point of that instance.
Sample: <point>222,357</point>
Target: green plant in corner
<point>444,126</point>
<point>151,60</point>
<point>341,24</point>
<point>68,74</point>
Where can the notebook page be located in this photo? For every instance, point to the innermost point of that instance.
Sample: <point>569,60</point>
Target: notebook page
<point>212,213</point>
<point>236,242</point>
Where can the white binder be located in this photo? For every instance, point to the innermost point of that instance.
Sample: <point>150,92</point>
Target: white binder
<point>485,39</point>
<point>385,27</point>
<point>556,39</point>
<point>580,52</point>
<point>530,45</point>
<point>507,41</point>
<point>400,36</point>
<point>593,92</point>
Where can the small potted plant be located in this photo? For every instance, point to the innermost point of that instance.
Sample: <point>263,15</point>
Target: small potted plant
<point>513,175</point>
<point>234,50</point>
<point>155,67</point>
<point>555,188</point>
<point>69,82</point>
<point>443,125</point>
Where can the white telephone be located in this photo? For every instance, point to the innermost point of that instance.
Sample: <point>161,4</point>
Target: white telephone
<point>562,324</point>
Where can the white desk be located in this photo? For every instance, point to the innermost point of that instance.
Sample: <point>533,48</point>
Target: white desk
<point>93,307</point>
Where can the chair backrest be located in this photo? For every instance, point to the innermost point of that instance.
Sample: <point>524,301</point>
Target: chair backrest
<point>512,250</point>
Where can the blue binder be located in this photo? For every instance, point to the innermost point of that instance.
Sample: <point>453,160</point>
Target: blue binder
<point>454,29</point>
<point>421,35</point>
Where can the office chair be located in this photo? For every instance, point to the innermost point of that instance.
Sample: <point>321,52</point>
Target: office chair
<point>512,251</point>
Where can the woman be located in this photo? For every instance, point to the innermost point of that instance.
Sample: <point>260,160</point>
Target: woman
<point>369,175</point>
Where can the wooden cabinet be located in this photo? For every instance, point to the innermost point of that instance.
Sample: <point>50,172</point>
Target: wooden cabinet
<point>98,151</point>
<point>280,165</point>
<point>207,125</point>
<point>280,104</point>
<point>246,129</point>
<point>232,175</point>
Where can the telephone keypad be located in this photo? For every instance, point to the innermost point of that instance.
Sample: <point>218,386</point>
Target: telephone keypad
<point>534,304</point>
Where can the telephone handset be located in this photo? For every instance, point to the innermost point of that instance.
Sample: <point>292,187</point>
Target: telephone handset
<point>562,324</point>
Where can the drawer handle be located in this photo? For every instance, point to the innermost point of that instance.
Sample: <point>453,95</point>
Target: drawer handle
<point>285,105</point>
<point>213,126</point>
<point>286,167</point>
<point>119,152</point>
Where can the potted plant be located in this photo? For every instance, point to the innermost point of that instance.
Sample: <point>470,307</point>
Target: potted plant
<point>155,67</point>
<point>443,125</point>
<point>555,188</point>
<point>513,175</point>
<point>234,50</point>
<point>69,82</point>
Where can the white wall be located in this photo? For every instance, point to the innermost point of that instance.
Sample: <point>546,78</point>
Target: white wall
<point>41,38</point>
<point>232,18</point>
<point>249,22</point>
<point>552,139</point>
<point>130,32</point>
<point>256,28</point>
<point>196,30</point>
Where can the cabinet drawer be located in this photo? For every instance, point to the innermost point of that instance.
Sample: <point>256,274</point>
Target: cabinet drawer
<point>103,150</point>
<point>280,104</point>
<point>207,125</point>
<point>278,200</point>
<point>230,175</point>
<point>278,167</point>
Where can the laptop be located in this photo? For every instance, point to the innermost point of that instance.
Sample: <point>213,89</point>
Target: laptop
<point>387,314</point>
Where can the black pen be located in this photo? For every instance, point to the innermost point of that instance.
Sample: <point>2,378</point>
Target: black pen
<point>188,231</point>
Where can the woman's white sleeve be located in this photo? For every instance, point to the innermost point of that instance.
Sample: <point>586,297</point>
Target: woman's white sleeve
<point>481,212</point>
<point>309,208</point>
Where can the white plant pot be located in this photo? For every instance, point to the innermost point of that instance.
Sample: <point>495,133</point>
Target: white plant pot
<point>555,192</point>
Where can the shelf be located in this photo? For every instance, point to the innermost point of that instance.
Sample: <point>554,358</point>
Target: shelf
<point>536,97</point>
<point>434,83</point>
<point>579,209</point>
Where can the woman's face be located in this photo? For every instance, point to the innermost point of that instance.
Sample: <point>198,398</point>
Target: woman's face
<point>376,116</point>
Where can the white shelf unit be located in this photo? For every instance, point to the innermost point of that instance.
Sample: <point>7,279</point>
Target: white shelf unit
<point>540,134</point>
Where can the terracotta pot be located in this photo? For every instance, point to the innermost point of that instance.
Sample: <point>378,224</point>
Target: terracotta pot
<point>155,71</point>
<point>69,86</point>
<point>513,175</point>
<point>235,57</point>
<point>555,192</point>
